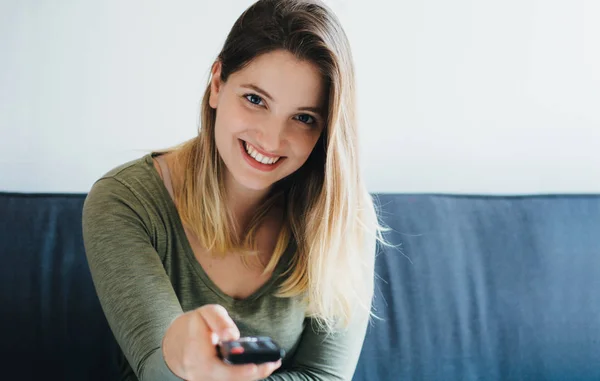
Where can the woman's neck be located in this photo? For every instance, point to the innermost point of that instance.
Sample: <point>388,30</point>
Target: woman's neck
<point>242,201</point>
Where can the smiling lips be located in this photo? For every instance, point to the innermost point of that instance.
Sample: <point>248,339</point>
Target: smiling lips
<point>259,161</point>
<point>251,150</point>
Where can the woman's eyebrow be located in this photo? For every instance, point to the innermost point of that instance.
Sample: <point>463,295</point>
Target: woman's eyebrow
<point>259,90</point>
<point>317,110</point>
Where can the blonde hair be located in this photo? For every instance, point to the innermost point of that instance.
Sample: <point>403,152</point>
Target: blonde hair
<point>328,211</point>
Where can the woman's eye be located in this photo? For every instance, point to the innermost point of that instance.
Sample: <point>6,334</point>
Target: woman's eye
<point>306,119</point>
<point>254,99</point>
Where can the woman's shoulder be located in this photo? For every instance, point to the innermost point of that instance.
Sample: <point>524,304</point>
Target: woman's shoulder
<point>131,170</point>
<point>133,180</point>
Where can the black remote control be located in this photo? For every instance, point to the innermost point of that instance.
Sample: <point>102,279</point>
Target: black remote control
<point>250,350</point>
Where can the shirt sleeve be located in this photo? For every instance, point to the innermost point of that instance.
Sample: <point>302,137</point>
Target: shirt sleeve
<point>135,292</point>
<point>324,357</point>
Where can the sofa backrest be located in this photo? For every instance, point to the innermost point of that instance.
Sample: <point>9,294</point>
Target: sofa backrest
<point>487,288</point>
<point>54,325</point>
<point>480,288</point>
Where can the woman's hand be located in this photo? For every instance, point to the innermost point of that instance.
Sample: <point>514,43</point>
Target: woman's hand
<point>189,347</point>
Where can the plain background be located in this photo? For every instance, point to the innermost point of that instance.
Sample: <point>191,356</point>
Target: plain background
<point>462,96</point>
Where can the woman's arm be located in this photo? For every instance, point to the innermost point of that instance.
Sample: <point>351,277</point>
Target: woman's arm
<point>135,292</point>
<point>322,357</point>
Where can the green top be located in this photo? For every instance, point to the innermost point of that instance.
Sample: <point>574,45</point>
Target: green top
<point>146,274</point>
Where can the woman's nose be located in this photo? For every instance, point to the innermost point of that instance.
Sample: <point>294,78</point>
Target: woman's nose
<point>271,136</point>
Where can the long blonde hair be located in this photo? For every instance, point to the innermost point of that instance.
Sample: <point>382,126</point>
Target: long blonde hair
<point>328,211</point>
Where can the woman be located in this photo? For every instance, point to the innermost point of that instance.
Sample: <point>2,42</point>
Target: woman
<point>259,226</point>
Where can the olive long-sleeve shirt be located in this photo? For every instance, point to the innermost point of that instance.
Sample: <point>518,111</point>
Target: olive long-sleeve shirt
<point>146,274</point>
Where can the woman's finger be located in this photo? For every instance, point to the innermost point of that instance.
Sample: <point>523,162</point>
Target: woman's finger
<point>246,372</point>
<point>219,322</point>
<point>265,370</point>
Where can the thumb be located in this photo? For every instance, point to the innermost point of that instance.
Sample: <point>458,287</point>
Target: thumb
<point>219,323</point>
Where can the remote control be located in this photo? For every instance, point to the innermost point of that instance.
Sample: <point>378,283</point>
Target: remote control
<point>250,350</point>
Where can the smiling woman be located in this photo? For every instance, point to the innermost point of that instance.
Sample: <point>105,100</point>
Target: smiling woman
<point>260,225</point>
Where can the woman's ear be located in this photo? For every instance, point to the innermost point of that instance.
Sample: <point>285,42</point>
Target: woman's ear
<point>215,84</point>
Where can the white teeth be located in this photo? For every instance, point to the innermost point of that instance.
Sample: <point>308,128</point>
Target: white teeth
<point>258,157</point>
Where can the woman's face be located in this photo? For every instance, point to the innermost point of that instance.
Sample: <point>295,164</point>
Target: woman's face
<point>270,115</point>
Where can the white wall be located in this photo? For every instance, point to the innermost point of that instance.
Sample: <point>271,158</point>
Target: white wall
<point>495,97</point>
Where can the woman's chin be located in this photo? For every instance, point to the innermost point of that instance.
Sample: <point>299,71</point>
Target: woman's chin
<point>254,184</point>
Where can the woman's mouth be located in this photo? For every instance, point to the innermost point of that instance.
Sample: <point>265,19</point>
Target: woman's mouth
<point>258,160</point>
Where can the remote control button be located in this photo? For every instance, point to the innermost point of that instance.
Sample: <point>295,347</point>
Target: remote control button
<point>237,350</point>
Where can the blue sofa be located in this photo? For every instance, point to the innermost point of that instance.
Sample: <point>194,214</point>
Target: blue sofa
<point>479,288</point>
